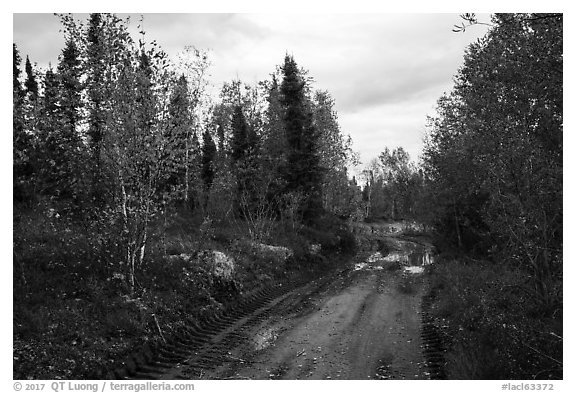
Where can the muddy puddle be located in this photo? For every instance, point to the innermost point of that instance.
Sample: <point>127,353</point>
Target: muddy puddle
<point>418,261</point>
<point>412,259</point>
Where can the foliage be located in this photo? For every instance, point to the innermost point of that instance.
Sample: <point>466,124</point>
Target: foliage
<point>393,186</point>
<point>493,156</point>
<point>31,85</point>
<point>303,172</point>
<point>495,329</point>
<point>335,157</point>
<point>116,169</point>
<point>493,173</point>
<point>22,152</point>
<point>208,159</point>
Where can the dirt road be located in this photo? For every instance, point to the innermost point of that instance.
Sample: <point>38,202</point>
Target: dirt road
<point>364,322</point>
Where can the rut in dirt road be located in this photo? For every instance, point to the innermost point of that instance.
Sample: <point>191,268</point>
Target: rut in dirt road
<point>369,321</point>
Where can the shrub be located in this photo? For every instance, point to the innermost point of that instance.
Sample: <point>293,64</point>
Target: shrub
<point>492,316</point>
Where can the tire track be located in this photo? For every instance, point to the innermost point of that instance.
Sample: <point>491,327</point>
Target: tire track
<point>434,346</point>
<point>203,345</point>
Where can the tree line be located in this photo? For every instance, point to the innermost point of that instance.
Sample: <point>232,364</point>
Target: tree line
<point>489,180</point>
<point>120,132</point>
<point>493,154</point>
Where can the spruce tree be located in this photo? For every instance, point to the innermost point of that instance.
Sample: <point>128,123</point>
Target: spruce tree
<point>302,172</point>
<point>221,135</point>
<point>96,86</point>
<point>274,138</point>
<point>51,141</point>
<point>208,156</point>
<point>243,150</point>
<point>21,140</point>
<point>16,60</point>
<point>70,72</point>
<point>239,142</point>
<point>30,84</point>
<point>177,136</point>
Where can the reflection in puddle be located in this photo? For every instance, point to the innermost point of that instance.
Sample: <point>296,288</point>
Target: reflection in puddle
<point>418,260</point>
<point>264,338</point>
<point>421,258</point>
<point>364,266</point>
<point>377,256</point>
<point>397,256</point>
<point>412,261</point>
<point>414,269</point>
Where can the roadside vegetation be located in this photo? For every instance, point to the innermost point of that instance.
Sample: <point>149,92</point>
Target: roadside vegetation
<point>140,200</point>
<point>488,190</point>
<point>493,168</point>
<point>493,323</point>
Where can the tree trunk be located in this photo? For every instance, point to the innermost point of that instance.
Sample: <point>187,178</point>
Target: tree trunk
<point>132,256</point>
<point>143,246</point>
<point>130,246</point>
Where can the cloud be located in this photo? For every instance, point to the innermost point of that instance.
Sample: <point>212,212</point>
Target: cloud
<point>384,71</point>
<point>393,124</point>
<point>38,36</point>
<point>209,31</point>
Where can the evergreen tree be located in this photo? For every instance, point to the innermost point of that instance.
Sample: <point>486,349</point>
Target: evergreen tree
<point>178,138</point>
<point>244,145</point>
<point>302,172</point>
<point>208,157</point>
<point>274,138</point>
<point>22,141</point>
<point>273,143</point>
<point>239,147</point>
<point>220,133</point>
<point>16,60</point>
<point>53,163</point>
<point>30,84</point>
<point>70,72</point>
<point>239,143</point>
<point>96,86</point>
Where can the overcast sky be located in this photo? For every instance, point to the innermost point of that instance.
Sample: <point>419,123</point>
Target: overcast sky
<point>385,71</point>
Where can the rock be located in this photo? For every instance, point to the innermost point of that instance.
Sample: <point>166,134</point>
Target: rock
<point>276,253</point>
<point>216,262</point>
<point>219,264</point>
<point>315,248</point>
<point>181,257</point>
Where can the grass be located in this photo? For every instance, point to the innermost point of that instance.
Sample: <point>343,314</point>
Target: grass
<point>496,329</point>
<point>74,314</point>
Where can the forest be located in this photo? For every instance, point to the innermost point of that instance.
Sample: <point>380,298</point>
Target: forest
<point>140,200</point>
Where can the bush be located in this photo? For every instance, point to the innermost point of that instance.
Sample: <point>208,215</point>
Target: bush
<point>332,234</point>
<point>494,325</point>
<point>74,312</point>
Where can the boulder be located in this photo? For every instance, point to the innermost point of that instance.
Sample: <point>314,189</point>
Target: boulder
<point>315,248</point>
<point>216,262</point>
<point>276,253</point>
<point>219,264</point>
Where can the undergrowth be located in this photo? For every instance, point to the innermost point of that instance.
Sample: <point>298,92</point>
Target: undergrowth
<point>495,327</point>
<point>73,310</point>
